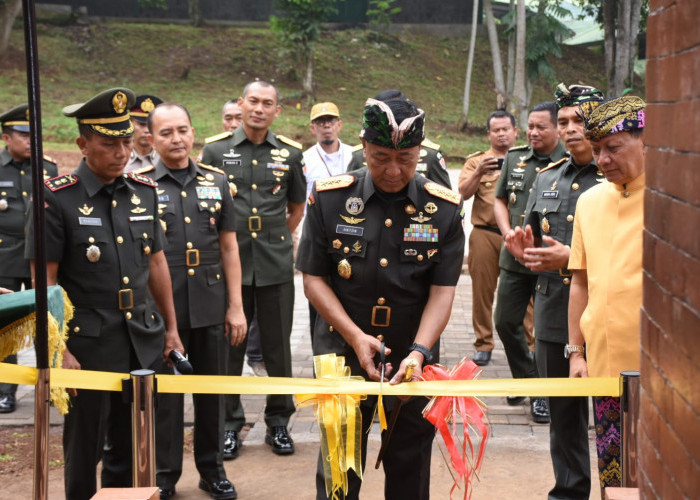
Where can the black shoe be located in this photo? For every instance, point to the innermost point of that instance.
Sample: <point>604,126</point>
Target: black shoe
<point>514,400</point>
<point>166,493</point>
<point>539,410</point>
<point>482,358</point>
<point>232,444</point>
<point>280,440</point>
<point>219,490</point>
<point>7,403</point>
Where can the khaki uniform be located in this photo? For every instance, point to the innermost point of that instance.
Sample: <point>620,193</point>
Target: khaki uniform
<point>516,286</point>
<point>431,164</point>
<point>263,179</point>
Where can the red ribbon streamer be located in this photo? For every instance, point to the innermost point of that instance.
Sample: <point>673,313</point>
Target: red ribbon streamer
<point>443,412</point>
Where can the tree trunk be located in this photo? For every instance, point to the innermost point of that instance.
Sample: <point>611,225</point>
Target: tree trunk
<point>609,44</point>
<point>9,10</point>
<point>510,77</point>
<point>195,13</point>
<point>464,120</point>
<point>622,56</point>
<point>307,81</point>
<point>519,88</point>
<point>500,87</point>
<point>636,16</point>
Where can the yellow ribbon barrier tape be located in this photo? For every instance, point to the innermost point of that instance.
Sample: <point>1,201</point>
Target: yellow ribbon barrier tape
<point>340,423</point>
<point>221,384</point>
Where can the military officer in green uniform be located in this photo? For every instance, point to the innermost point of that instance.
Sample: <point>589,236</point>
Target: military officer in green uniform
<point>196,210</point>
<point>381,253</point>
<point>265,173</point>
<point>544,248</point>
<point>15,192</point>
<point>104,246</point>
<point>516,284</point>
<point>431,163</point>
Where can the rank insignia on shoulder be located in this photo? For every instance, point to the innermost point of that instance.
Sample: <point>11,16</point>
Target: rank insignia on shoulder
<point>212,168</point>
<point>443,193</point>
<point>553,164</point>
<point>335,182</point>
<point>357,148</point>
<point>145,169</point>
<point>289,141</point>
<point>477,153</point>
<point>50,160</point>
<point>62,181</point>
<point>430,144</point>
<point>142,179</point>
<point>218,137</point>
<point>519,148</point>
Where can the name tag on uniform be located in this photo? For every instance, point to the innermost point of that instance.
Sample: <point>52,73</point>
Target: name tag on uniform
<point>208,193</point>
<point>89,221</point>
<point>163,197</point>
<point>7,184</point>
<point>232,163</point>
<point>550,194</point>
<point>517,176</point>
<point>137,218</point>
<point>354,230</point>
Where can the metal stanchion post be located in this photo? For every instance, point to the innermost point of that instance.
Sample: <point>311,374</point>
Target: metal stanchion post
<point>629,405</point>
<point>143,428</point>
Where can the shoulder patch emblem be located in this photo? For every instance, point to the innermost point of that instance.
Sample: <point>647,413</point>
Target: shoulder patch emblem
<point>335,182</point>
<point>209,167</point>
<point>443,193</point>
<point>553,165</point>
<point>430,144</point>
<point>218,137</point>
<point>519,148</point>
<point>142,179</point>
<point>291,142</point>
<point>357,148</point>
<point>474,154</point>
<point>50,160</point>
<point>145,169</point>
<point>60,182</point>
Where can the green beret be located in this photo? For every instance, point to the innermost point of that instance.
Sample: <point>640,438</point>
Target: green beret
<point>380,127</point>
<point>17,118</point>
<point>107,114</point>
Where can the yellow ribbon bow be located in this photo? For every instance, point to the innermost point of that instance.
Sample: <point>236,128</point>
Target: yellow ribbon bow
<point>340,422</point>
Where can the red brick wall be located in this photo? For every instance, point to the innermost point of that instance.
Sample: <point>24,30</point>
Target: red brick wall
<point>669,437</point>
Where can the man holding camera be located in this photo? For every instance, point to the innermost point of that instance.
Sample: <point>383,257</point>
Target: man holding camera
<point>196,212</point>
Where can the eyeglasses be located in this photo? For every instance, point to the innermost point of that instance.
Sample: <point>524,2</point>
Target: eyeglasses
<point>325,120</point>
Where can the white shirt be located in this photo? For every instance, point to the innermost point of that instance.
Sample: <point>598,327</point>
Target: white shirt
<point>137,161</point>
<point>320,164</point>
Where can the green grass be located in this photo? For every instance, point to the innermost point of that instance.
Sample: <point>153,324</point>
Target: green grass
<point>201,68</point>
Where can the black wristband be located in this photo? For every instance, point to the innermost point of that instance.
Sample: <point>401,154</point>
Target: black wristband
<point>423,350</point>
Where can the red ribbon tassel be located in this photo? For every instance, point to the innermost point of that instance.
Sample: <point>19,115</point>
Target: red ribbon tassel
<point>446,412</point>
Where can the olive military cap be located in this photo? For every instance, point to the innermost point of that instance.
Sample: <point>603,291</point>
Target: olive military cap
<point>107,114</point>
<point>16,119</point>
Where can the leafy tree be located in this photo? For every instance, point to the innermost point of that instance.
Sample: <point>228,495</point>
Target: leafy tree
<point>380,12</point>
<point>298,28</point>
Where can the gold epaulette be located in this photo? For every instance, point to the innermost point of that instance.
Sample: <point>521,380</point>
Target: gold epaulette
<point>62,181</point>
<point>474,154</point>
<point>443,193</point>
<point>519,148</point>
<point>50,160</point>
<point>218,137</point>
<point>210,167</point>
<point>142,179</point>
<point>291,142</point>
<point>430,144</point>
<point>553,164</point>
<point>357,148</point>
<point>145,169</point>
<point>335,182</point>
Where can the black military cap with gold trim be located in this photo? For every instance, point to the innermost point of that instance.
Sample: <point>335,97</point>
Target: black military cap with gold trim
<point>144,105</point>
<point>16,119</point>
<point>107,114</point>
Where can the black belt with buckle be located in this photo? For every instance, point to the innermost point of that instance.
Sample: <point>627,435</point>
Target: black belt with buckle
<point>194,257</point>
<point>257,222</point>
<point>124,299</point>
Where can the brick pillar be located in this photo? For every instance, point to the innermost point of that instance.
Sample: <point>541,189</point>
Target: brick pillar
<point>669,436</point>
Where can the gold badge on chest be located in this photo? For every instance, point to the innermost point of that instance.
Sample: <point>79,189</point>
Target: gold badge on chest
<point>344,269</point>
<point>354,206</point>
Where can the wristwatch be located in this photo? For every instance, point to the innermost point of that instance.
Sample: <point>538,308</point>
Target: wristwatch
<point>423,350</point>
<point>569,349</point>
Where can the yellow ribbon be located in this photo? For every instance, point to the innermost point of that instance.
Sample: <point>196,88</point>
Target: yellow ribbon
<point>340,422</point>
<point>221,384</point>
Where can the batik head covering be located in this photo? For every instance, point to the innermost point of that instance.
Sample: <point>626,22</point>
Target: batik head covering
<point>609,117</point>
<point>576,94</point>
